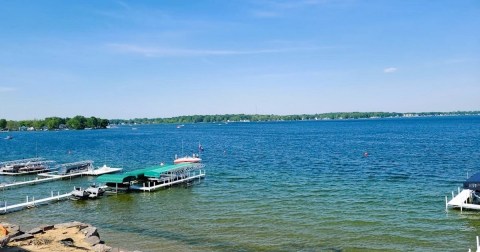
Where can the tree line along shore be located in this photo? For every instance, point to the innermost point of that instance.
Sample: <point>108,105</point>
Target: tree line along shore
<point>55,123</point>
<point>81,122</point>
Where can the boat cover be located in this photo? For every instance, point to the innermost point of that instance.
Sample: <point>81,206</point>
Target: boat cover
<point>473,183</point>
<point>116,178</point>
<point>153,171</point>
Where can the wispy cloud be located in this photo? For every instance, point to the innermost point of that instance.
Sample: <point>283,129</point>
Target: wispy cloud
<point>178,52</point>
<point>390,70</point>
<point>6,89</point>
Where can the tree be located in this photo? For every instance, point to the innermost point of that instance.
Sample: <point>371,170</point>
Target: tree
<point>3,123</point>
<point>104,123</point>
<point>91,122</point>
<point>78,122</point>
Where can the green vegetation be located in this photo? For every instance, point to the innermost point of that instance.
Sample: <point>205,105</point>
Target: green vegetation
<point>81,122</point>
<point>54,123</point>
<point>263,118</point>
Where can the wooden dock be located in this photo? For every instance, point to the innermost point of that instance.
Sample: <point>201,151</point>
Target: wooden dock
<point>154,185</point>
<point>33,203</point>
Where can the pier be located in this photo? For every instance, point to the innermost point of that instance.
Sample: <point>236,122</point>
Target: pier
<point>154,177</point>
<point>160,183</point>
<point>33,203</point>
<point>48,177</point>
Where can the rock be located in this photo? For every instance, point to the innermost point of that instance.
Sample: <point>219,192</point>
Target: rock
<point>35,231</point>
<point>71,224</point>
<point>92,240</point>
<point>21,237</point>
<point>4,241</point>
<point>46,227</point>
<point>90,231</point>
<point>101,248</point>
<point>68,242</point>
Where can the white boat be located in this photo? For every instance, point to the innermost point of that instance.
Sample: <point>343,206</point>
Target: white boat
<point>195,158</point>
<point>80,168</point>
<point>92,192</point>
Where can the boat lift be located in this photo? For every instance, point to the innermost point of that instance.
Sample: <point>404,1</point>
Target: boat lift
<point>52,176</point>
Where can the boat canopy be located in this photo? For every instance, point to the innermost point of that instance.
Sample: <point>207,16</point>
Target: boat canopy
<point>152,171</point>
<point>166,168</point>
<point>116,178</point>
<point>473,183</point>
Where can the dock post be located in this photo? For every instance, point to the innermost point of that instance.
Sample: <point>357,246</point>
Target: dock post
<point>453,195</point>
<point>33,200</point>
<point>478,245</point>
<point>446,204</point>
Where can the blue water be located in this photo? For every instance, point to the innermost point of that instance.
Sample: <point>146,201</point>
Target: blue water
<point>280,186</point>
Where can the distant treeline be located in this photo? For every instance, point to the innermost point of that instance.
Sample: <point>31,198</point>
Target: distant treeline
<point>81,122</point>
<point>54,123</point>
<point>263,118</point>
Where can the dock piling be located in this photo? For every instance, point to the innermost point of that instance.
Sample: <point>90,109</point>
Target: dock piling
<point>446,204</point>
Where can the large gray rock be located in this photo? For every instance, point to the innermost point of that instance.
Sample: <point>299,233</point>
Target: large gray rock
<point>21,237</point>
<point>46,227</point>
<point>40,229</point>
<point>71,224</point>
<point>101,248</point>
<point>4,241</point>
<point>90,231</point>
<point>92,240</point>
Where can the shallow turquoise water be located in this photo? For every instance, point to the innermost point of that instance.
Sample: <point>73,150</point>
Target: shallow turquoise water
<point>283,186</point>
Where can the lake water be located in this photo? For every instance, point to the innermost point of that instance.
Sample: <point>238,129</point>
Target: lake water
<point>280,186</point>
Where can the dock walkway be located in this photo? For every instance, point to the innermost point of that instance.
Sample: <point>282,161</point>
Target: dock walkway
<point>154,185</point>
<point>52,177</point>
<point>32,203</point>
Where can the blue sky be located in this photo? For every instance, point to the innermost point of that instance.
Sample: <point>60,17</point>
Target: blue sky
<point>127,59</point>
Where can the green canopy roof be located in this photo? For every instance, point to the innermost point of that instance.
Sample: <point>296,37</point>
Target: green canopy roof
<point>164,169</point>
<point>153,171</point>
<point>115,178</point>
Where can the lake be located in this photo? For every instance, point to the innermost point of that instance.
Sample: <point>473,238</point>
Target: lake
<point>272,186</point>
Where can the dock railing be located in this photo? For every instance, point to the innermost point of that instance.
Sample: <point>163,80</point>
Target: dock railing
<point>32,202</point>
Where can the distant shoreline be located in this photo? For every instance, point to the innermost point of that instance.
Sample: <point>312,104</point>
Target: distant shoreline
<point>82,123</point>
<point>300,117</point>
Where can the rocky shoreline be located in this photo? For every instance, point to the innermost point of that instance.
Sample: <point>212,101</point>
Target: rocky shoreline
<point>70,236</point>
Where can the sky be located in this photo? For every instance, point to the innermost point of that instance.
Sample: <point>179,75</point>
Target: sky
<point>136,59</point>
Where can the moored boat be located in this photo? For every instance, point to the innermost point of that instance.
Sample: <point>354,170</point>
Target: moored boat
<point>469,197</point>
<point>25,166</point>
<point>195,158</point>
<point>91,192</point>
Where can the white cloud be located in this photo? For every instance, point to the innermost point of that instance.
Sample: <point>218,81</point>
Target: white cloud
<point>390,70</point>
<point>178,52</point>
